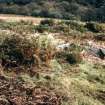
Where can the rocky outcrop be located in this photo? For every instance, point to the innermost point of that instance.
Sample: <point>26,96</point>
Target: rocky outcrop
<point>98,52</point>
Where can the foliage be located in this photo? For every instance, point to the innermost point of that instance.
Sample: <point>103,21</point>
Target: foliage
<point>74,25</point>
<point>88,10</point>
<point>71,55</point>
<point>41,28</point>
<point>18,27</point>
<point>27,51</point>
<point>95,27</point>
<point>61,26</point>
<point>12,49</point>
<point>73,58</point>
<point>99,37</point>
<point>48,22</point>
<point>68,80</point>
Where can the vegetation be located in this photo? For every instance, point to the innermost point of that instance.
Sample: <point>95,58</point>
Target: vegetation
<point>36,69</point>
<point>95,27</point>
<point>86,10</point>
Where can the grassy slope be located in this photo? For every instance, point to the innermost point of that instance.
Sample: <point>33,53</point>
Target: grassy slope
<point>82,84</point>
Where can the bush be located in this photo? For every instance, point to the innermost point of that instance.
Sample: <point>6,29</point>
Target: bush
<point>77,26</point>
<point>61,28</point>
<point>41,28</point>
<point>74,25</point>
<point>45,25</point>
<point>100,37</point>
<point>73,58</point>
<point>102,27</point>
<point>27,52</point>
<point>91,26</point>
<point>95,27</point>
<point>13,48</point>
<point>48,22</point>
<point>71,55</point>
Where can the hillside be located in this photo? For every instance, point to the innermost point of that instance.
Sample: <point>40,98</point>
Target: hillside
<point>85,10</point>
<point>49,62</point>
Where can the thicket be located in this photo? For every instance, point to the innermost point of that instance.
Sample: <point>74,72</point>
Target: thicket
<point>18,50</point>
<point>68,9</point>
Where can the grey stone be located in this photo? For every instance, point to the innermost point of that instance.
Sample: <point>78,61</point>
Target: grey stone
<point>98,52</point>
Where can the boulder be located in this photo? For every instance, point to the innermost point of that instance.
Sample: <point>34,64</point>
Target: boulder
<point>63,46</point>
<point>98,52</point>
<point>101,53</point>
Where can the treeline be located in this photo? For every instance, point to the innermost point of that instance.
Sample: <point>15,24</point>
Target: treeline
<point>85,10</point>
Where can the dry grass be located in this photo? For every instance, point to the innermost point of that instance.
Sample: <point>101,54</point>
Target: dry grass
<point>17,18</point>
<point>78,84</point>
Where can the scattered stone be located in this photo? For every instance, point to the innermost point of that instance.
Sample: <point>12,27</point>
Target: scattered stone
<point>101,53</point>
<point>98,52</point>
<point>63,46</point>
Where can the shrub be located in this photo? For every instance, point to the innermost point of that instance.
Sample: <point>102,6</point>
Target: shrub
<point>61,28</point>
<point>41,28</point>
<point>102,27</point>
<point>13,48</point>
<point>71,55</point>
<point>100,37</point>
<point>91,26</point>
<point>28,52</point>
<point>48,22</point>
<point>74,25</point>
<point>77,26</point>
<point>45,25</point>
<point>95,27</point>
<point>73,58</point>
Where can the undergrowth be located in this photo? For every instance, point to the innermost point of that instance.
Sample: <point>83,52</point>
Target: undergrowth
<point>77,82</point>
